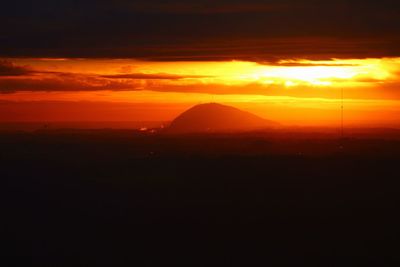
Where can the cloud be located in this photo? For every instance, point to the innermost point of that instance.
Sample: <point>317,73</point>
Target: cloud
<point>261,30</point>
<point>306,64</point>
<point>63,82</point>
<point>204,7</point>
<point>15,78</point>
<point>81,83</point>
<point>8,68</point>
<point>156,76</point>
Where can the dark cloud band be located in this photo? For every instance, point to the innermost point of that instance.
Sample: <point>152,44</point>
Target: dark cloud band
<point>200,30</point>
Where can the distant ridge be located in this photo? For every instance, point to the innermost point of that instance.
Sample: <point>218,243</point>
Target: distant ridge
<point>213,117</point>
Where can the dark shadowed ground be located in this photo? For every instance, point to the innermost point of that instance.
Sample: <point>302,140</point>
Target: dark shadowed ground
<point>108,197</point>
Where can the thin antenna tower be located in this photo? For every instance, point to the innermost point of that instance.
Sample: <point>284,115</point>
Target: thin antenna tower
<point>342,113</point>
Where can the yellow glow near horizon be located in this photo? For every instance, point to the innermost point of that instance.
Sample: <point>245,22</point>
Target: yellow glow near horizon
<point>308,71</point>
<point>289,91</point>
<point>330,73</point>
<point>300,76</point>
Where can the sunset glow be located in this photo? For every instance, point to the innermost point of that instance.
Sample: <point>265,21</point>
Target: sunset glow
<point>291,90</point>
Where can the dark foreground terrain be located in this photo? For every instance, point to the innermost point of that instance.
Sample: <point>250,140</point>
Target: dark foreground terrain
<point>118,197</point>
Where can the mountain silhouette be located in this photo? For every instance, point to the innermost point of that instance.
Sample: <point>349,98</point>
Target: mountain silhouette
<point>213,117</point>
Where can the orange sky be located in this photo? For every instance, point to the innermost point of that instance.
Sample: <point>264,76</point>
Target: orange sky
<point>300,92</point>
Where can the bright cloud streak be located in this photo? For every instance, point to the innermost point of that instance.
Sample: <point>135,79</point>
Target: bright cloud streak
<point>286,73</point>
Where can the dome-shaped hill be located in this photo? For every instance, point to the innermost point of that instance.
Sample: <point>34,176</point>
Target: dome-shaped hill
<point>214,117</point>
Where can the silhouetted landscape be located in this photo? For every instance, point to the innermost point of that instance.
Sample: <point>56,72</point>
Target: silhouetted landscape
<point>214,117</point>
<point>106,197</point>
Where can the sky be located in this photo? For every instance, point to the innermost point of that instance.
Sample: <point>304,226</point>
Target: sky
<point>289,61</point>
